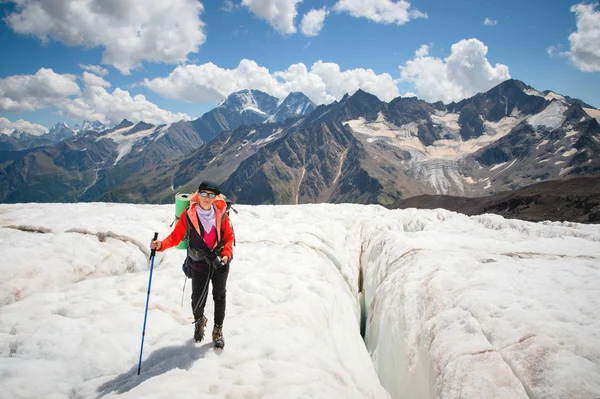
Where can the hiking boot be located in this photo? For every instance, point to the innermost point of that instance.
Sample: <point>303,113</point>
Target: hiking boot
<point>217,336</point>
<point>199,328</point>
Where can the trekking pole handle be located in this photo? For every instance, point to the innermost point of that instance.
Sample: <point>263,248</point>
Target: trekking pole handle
<point>153,252</point>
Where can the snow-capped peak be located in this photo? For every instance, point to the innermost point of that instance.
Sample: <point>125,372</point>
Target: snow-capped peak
<point>241,101</point>
<point>250,100</point>
<point>61,131</point>
<point>295,104</point>
<point>95,126</point>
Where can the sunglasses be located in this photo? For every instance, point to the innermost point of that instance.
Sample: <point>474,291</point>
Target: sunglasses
<point>209,195</point>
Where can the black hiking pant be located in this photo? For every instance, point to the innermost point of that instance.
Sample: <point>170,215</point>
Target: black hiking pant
<point>200,283</point>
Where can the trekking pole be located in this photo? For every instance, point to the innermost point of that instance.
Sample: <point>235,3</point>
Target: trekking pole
<point>152,253</point>
<point>183,292</point>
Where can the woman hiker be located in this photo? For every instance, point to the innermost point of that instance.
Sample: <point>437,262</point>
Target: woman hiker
<point>205,224</point>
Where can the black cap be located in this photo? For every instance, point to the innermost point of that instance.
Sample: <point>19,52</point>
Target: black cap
<point>209,186</point>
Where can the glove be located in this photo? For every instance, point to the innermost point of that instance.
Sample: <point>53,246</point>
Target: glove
<point>220,265</point>
<point>186,270</point>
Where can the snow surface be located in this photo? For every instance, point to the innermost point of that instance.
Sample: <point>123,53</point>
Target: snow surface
<point>254,109</point>
<point>594,113</point>
<point>275,135</point>
<point>554,96</point>
<point>405,136</point>
<point>448,120</point>
<point>552,116</point>
<point>456,306</point>
<point>126,142</point>
<point>571,133</point>
<point>497,166</point>
<point>246,100</point>
<point>565,170</point>
<point>533,92</point>
<point>550,96</point>
<point>541,144</point>
<point>572,151</point>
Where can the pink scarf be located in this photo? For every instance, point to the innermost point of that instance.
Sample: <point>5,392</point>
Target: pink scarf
<point>209,224</point>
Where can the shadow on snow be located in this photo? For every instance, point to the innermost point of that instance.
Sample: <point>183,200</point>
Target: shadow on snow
<point>159,362</point>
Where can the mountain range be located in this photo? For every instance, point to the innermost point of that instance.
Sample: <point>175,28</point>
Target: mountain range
<point>359,149</point>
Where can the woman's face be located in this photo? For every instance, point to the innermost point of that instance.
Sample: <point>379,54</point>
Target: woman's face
<point>206,199</point>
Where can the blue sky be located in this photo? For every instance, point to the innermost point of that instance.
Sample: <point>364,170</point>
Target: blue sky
<point>185,56</point>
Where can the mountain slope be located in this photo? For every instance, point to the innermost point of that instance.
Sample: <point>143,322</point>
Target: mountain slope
<point>123,150</point>
<point>573,200</point>
<point>361,149</point>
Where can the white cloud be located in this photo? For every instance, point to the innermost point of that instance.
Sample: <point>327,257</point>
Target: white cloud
<point>554,51</point>
<point>340,82</point>
<point>95,69</point>
<point>211,83</point>
<point>20,93</point>
<point>490,22</point>
<point>130,31</point>
<point>280,14</point>
<point>228,6</point>
<point>47,89</point>
<point>422,51</point>
<point>89,79</point>
<point>380,11</point>
<point>462,74</point>
<point>7,127</point>
<point>323,84</point>
<point>312,22</point>
<point>585,42</point>
<point>96,103</point>
<point>298,78</point>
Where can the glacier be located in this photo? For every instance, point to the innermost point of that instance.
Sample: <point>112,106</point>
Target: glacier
<point>452,306</point>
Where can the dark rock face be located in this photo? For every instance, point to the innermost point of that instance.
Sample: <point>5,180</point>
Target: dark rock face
<point>574,200</point>
<point>402,110</point>
<point>502,101</point>
<point>471,124</point>
<point>299,167</point>
<point>140,126</point>
<point>516,144</point>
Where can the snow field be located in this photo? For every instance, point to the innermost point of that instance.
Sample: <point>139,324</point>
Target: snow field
<point>456,306</point>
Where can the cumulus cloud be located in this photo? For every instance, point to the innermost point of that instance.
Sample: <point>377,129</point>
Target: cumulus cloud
<point>95,69</point>
<point>211,83</point>
<point>20,93</point>
<point>89,80</point>
<point>312,22</point>
<point>340,82</point>
<point>8,127</point>
<point>462,74</point>
<point>422,51</point>
<point>96,103</point>
<point>280,14</point>
<point>585,42</point>
<point>324,83</point>
<point>380,11</point>
<point>490,22</point>
<point>130,31</point>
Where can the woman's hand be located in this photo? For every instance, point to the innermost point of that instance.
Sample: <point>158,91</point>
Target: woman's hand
<point>224,258</point>
<point>156,245</point>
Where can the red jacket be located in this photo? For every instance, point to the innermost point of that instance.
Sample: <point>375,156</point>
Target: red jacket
<point>224,230</point>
